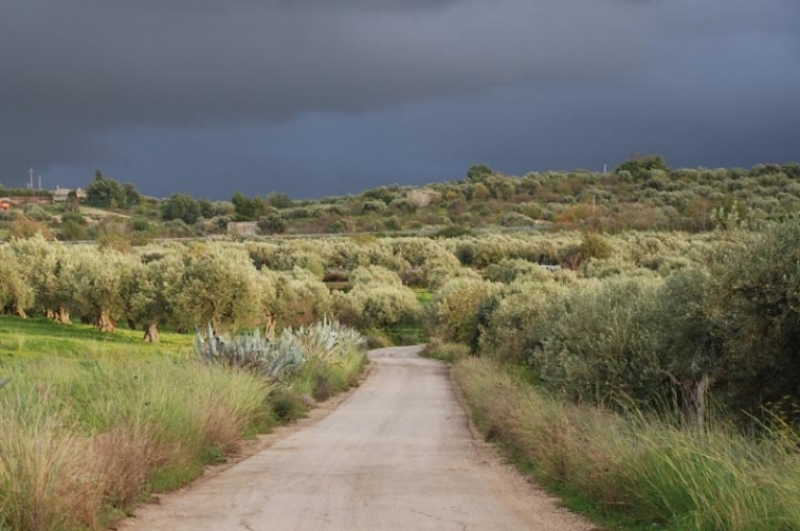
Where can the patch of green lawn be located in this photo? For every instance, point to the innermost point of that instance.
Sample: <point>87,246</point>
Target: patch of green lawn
<point>40,337</point>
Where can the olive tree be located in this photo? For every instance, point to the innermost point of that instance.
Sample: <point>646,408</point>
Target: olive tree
<point>219,286</point>
<point>299,297</point>
<point>377,299</point>
<point>101,280</point>
<point>15,293</point>
<point>50,274</point>
<point>152,289</point>
<point>760,292</point>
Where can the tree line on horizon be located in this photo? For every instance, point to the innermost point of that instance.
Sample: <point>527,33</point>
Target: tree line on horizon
<point>642,193</point>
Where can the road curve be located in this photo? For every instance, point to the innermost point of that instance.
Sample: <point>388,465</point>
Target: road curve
<point>396,455</point>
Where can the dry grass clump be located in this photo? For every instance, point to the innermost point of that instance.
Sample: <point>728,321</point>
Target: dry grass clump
<point>81,442</point>
<point>47,478</point>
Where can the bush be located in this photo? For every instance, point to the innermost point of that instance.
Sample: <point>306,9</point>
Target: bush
<point>598,343</point>
<point>71,231</point>
<point>377,207</point>
<point>761,303</point>
<point>594,246</point>
<point>514,219</point>
<point>272,224</point>
<point>508,271</point>
<point>36,212</point>
<point>455,310</point>
<point>25,228</point>
<point>446,352</point>
<point>369,306</point>
<point>512,317</point>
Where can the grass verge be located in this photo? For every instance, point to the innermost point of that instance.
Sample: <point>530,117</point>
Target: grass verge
<point>84,438</point>
<point>638,472</point>
<point>82,442</point>
<point>446,352</point>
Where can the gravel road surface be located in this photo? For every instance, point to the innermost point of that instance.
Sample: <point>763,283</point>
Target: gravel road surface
<point>398,454</point>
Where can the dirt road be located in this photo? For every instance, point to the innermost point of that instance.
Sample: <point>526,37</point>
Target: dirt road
<point>396,455</point>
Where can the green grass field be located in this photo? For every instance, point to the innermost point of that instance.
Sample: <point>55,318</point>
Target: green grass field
<point>32,338</point>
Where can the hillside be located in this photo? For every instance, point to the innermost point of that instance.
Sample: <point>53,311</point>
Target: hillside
<point>641,194</point>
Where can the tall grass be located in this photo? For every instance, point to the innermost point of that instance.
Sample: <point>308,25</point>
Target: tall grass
<point>646,468</point>
<point>84,437</point>
<point>81,442</point>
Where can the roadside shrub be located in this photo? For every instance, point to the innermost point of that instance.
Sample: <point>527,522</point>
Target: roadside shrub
<point>455,310</point>
<point>392,223</point>
<point>453,231</point>
<point>598,344</point>
<point>446,352</point>
<point>71,230</point>
<point>761,305</point>
<point>375,305</point>
<point>403,206</point>
<point>514,314</point>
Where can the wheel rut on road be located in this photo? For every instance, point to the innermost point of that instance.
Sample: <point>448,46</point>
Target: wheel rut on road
<point>396,455</point>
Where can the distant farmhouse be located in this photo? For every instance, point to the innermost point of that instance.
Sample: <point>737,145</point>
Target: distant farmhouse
<point>62,194</point>
<point>243,228</point>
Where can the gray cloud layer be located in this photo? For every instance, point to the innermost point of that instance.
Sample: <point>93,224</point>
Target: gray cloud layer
<point>73,71</point>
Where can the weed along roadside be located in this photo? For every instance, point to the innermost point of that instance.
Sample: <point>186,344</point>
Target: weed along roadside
<point>635,472</point>
<point>85,438</point>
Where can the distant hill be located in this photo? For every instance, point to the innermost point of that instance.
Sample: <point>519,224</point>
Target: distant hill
<point>642,194</point>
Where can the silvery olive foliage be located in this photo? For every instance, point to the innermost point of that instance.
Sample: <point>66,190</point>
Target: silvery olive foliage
<point>15,293</point>
<point>219,286</point>
<point>651,306</point>
<point>377,299</point>
<point>102,278</point>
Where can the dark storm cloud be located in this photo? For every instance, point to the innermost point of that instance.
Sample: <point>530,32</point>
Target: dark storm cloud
<point>70,72</point>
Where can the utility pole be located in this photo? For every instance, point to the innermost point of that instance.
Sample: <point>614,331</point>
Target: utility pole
<point>30,184</point>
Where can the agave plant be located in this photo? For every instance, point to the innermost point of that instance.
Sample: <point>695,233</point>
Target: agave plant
<point>276,359</point>
<point>327,340</point>
<point>279,358</point>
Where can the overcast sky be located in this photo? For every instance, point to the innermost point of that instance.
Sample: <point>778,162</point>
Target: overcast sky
<point>327,97</point>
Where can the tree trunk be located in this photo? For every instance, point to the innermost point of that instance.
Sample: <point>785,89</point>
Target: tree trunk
<point>694,402</point>
<point>151,333</point>
<point>131,324</point>
<point>104,323</point>
<point>21,312</point>
<point>50,313</point>
<point>62,315</point>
